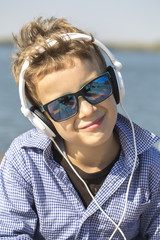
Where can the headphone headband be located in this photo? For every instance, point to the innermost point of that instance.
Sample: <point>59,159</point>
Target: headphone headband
<point>73,36</point>
<point>32,116</point>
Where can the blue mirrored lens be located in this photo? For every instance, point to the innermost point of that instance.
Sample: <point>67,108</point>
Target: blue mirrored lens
<point>98,90</point>
<point>63,108</point>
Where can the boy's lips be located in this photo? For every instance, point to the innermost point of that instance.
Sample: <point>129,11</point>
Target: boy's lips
<point>94,124</point>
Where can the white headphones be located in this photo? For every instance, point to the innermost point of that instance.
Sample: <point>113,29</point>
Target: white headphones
<point>38,119</point>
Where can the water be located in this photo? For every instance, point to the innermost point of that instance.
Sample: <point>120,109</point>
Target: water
<point>141,74</point>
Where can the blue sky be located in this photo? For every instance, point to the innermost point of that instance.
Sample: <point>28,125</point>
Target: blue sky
<point>114,20</point>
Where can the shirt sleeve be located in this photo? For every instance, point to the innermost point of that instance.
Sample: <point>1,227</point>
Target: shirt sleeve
<point>150,224</point>
<point>153,216</point>
<point>18,218</point>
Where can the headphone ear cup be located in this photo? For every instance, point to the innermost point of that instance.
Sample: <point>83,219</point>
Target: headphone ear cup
<point>49,127</point>
<point>114,83</point>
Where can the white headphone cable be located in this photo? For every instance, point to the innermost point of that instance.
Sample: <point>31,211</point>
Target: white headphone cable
<point>133,169</point>
<point>117,227</point>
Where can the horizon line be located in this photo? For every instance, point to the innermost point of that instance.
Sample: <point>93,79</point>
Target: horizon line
<point>121,45</point>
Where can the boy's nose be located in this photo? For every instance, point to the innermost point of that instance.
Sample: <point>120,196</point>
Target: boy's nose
<point>85,108</point>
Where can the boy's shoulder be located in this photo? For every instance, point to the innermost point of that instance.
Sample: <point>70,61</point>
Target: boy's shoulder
<point>150,159</point>
<point>149,169</point>
<point>25,151</point>
<point>32,139</point>
<point>144,139</point>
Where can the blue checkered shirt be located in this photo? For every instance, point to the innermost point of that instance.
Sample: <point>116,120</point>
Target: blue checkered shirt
<point>38,201</point>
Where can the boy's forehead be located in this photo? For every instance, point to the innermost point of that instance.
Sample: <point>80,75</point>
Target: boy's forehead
<point>67,80</point>
<point>65,63</point>
<point>72,67</point>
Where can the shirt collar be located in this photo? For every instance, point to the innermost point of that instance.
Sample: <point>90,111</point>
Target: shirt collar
<point>144,139</point>
<point>36,139</point>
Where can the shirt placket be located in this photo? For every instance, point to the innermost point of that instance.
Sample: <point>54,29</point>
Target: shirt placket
<point>114,180</point>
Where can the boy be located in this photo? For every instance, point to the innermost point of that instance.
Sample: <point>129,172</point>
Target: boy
<point>74,186</point>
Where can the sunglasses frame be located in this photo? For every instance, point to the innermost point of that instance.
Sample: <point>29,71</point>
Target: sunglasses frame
<point>44,107</point>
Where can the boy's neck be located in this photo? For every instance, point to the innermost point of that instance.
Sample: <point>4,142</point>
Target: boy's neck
<point>94,159</point>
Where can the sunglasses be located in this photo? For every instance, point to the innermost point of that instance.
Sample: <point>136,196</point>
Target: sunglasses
<point>67,106</point>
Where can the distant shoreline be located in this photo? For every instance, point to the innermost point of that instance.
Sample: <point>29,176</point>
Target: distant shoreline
<point>1,156</point>
<point>113,45</point>
<point>155,47</point>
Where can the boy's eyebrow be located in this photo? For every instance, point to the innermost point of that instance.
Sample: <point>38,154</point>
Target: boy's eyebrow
<point>70,93</point>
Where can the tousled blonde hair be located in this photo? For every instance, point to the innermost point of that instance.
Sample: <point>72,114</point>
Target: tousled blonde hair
<point>54,58</point>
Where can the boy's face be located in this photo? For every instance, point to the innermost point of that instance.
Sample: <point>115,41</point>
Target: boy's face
<point>80,130</point>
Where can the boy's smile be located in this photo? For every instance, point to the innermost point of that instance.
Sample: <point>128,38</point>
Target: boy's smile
<point>94,124</point>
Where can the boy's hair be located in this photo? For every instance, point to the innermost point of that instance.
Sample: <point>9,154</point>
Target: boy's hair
<point>33,36</point>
